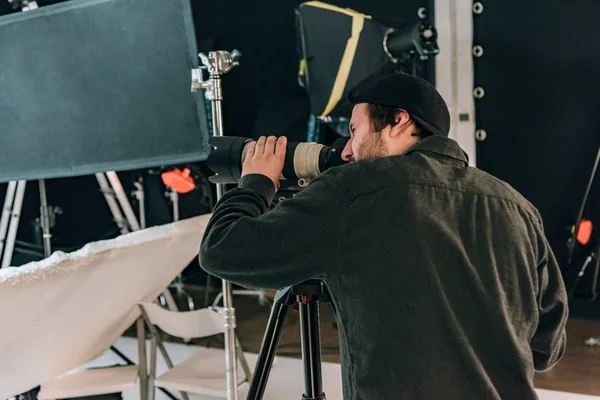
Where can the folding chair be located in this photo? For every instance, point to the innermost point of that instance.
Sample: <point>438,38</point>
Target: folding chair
<point>98,381</point>
<point>202,373</point>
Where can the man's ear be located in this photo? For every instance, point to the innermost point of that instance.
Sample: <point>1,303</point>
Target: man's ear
<point>403,123</point>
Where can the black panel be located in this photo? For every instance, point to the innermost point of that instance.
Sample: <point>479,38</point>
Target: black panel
<point>541,109</point>
<point>97,85</point>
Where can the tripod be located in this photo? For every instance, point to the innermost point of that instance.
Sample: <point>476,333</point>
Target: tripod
<point>307,295</point>
<point>572,242</point>
<point>11,214</point>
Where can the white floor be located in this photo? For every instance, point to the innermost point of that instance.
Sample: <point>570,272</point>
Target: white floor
<point>285,382</point>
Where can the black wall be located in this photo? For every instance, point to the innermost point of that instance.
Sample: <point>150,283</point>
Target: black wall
<point>541,109</point>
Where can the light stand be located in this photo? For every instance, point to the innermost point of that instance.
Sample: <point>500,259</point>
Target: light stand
<point>45,219</point>
<point>573,239</point>
<point>11,213</point>
<point>592,254</point>
<point>218,63</point>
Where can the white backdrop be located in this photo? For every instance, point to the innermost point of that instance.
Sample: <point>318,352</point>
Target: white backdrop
<point>68,309</point>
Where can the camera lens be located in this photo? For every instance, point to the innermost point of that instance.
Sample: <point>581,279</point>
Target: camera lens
<point>303,160</point>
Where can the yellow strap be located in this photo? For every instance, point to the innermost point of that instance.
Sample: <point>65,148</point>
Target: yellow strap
<point>331,7</point>
<point>303,66</point>
<point>358,22</point>
<point>344,70</point>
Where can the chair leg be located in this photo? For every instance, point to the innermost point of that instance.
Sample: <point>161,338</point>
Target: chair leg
<point>152,374</point>
<point>142,365</point>
<point>160,345</point>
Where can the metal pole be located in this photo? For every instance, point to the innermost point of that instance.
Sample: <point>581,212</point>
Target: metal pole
<point>6,212</point>
<point>139,194</point>
<point>573,238</point>
<point>123,201</point>
<point>152,368</point>
<point>229,312</point>
<point>142,364</point>
<point>218,63</point>
<point>45,218</point>
<point>112,203</point>
<point>311,349</point>
<point>175,200</point>
<point>596,271</point>
<point>13,224</point>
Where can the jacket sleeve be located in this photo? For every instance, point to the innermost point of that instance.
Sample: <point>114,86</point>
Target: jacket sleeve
<point>550,338</point>
<point>249,245</point>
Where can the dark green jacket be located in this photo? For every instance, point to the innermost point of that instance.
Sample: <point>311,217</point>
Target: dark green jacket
<point>444,283</point>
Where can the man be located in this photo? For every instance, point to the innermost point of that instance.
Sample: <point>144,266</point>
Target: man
<point>444,284</point>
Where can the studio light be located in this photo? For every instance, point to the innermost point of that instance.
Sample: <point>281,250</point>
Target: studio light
<point>340,49</point>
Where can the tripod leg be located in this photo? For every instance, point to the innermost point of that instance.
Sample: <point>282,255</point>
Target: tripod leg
<point>269,345</point>
<point>311,349</point>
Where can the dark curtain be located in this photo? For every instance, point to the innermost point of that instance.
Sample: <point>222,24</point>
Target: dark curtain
<point>541,109</point>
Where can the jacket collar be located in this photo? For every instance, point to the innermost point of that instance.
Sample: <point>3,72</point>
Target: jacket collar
<point>441,146</point>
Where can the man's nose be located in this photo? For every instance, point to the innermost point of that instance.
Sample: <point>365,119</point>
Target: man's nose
<point>347,153</point>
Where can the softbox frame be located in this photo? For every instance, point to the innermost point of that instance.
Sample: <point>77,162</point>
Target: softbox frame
<point>97,85</point>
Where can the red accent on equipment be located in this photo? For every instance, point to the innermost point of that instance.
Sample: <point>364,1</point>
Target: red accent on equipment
<point>180,181</point>
<point>585,231</point>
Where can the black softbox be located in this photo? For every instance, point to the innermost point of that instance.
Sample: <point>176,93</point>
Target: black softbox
<point>341,48</point>
<point>89,86</point>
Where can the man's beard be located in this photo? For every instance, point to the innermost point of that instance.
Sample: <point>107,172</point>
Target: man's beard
<point>372,147</point>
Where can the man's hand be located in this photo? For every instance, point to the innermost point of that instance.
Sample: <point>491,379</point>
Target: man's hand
<point>266,157</point>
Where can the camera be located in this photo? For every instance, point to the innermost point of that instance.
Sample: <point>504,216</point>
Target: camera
<point>304,161</point>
